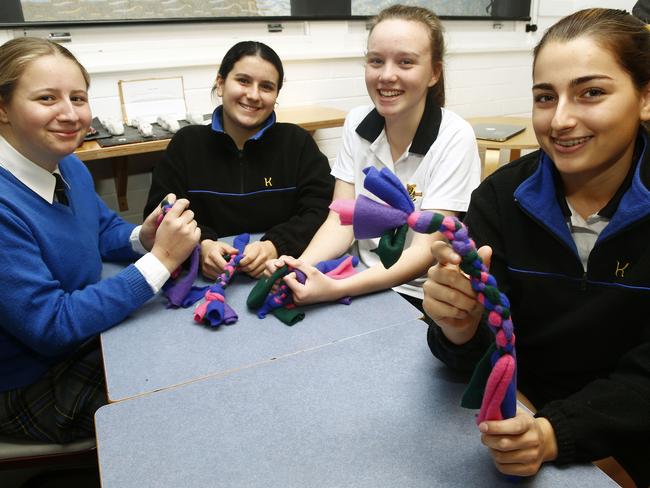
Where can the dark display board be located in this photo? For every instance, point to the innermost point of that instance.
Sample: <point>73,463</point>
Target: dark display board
<point>38,13</point>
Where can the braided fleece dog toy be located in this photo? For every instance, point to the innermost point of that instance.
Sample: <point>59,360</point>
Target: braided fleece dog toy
<point>370,218</point>
<point>214,311</point>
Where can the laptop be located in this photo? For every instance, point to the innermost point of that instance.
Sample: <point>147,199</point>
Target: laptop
<point>496,132</point>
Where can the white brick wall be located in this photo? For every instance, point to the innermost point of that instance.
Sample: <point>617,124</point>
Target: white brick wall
<point>488,68</point>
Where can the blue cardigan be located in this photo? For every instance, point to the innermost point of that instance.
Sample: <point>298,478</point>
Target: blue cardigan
<point>51,296</point>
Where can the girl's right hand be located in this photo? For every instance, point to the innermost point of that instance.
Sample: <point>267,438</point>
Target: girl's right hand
<point>176,236</point>
<point>212,257</point>
<point>448,296</point>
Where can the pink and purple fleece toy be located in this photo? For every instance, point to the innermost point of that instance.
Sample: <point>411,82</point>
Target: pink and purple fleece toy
<point>390,221</point>
<point>214,310</point>
<point>180,292</point>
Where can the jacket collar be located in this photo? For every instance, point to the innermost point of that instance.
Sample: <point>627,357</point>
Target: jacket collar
<point>217,123</point>
<point>542,196</point>
<point>634,204</point>
<point>425,135</point>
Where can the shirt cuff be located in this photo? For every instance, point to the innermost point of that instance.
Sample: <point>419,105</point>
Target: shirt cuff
<point>154,272</point>
<point>134,239</point>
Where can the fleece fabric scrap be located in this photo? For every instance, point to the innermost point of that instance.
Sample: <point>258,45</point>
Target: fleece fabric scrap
<point>177,289</point>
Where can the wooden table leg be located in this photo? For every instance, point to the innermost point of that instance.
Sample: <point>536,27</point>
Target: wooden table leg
<point>515,154</point>
<point>121,177</point>
<point>490,161</point>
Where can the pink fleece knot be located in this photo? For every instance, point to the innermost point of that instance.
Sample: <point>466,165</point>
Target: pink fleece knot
<point>449,223</point>
<point>345,209</point>
<point>199,311</point>
<point>210,295</point>
<point>494,319</point>
<point>500,338</point>
<point>496,388</point>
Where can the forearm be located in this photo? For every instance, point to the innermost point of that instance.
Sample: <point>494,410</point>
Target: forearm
<point>412,264</point>
<point>62,320</point>
<point>330,241</point>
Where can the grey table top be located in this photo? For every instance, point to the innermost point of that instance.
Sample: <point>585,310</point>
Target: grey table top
<point>157,348</point>
<point>372,410</point>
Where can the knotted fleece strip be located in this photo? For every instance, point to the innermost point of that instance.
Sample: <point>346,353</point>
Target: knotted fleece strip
<point>214,310</point>
<point>266,298</point>
<point>493,386</point>
<point>176,289</point>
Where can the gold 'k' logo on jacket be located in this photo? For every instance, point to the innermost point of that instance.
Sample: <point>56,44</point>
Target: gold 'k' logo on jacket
<point>620,270</point>
<point>267,181</point>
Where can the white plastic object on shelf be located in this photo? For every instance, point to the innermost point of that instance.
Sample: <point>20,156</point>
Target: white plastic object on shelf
<point>114,126</point>
<point>195,118</point>
<point>144,128</point>
<point>169,123</point>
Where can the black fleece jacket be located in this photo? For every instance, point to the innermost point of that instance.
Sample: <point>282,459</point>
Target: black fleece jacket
<point>583,338</point>
<point>278,184</point>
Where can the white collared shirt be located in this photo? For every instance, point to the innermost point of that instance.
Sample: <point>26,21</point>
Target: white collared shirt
<point>42,182</point>
<point>30,174</point>
<point>585,232</point>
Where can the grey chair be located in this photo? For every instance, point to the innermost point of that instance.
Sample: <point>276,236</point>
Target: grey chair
<point>19,454</point>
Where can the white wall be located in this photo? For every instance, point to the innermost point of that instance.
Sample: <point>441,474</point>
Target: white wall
<point>487,67</point>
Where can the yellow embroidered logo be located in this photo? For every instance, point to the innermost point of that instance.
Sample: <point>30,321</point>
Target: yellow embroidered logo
<point>267,181</point>
<point>620,270</point>
<point>412,193</point>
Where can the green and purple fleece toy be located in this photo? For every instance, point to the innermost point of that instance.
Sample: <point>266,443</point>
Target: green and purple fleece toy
<point>272,295</point>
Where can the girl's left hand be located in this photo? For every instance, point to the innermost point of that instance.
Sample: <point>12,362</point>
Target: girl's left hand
<point>521,444</point>
<point>317,288</point>
<point>256,254</point>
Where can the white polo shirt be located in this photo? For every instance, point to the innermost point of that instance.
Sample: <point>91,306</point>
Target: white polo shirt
<point>441,166</point>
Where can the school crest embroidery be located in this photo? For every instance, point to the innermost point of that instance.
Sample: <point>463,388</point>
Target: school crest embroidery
<point>620,269</point>
<point>412,193</point>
